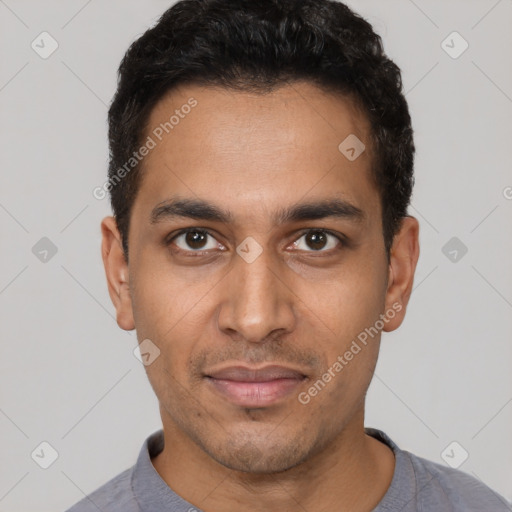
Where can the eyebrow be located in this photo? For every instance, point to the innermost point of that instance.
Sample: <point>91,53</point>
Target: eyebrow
<point>204,210</point>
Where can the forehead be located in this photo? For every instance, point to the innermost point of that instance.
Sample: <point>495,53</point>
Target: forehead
<point>256,150</point>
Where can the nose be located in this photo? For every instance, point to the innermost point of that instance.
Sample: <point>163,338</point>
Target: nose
<point>257,301</point>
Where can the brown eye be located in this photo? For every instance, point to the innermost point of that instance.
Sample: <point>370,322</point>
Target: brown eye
<point>317,241</point>
<point>193,240</point>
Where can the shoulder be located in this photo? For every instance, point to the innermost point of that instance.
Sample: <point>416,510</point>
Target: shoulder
<point>116,495</point>
<point>422,485</point>
<point>454,489</point>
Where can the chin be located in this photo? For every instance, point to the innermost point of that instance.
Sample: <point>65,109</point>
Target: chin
<point>259,458</point>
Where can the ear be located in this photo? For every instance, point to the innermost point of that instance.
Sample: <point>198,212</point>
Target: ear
<point>404,256</point>
<point>116,270</point>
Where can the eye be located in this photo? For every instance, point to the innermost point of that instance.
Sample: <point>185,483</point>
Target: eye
<point>317,240</point>
<point>194,240</point>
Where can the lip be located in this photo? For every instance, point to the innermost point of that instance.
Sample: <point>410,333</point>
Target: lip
<point>255,387</point>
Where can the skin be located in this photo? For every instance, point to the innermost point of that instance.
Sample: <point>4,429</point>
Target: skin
<point>297,304</point>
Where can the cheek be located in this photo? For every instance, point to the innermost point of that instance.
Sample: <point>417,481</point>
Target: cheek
<point>166,298</point>
<point>351,352</point>
<point>172,311</point>
<point>349,303</point>
<point>350,306</point>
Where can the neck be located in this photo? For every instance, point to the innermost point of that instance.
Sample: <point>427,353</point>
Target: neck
<point>352,473</point>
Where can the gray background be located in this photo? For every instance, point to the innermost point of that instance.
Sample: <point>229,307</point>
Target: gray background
<point>68,373</point>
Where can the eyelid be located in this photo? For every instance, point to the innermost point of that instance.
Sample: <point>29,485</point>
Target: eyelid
<point>339,236</point>
<point>170,238</point>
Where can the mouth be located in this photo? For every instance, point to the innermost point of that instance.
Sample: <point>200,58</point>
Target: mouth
<point>255,387</point>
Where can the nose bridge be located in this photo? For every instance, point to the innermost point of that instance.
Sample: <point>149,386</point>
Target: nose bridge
<point>257,302</point>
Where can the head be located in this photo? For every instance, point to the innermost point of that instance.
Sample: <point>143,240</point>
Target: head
<point>277,134</point>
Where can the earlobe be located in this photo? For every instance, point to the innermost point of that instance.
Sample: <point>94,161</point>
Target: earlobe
<point>116,271</point>
<point>402,266</point>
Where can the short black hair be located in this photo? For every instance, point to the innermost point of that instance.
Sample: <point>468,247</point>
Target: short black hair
<point>257,46</point>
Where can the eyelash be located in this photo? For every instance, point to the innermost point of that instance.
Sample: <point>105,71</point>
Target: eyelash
<point>169,240</point>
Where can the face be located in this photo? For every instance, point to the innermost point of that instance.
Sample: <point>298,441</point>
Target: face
<point>256,262</point>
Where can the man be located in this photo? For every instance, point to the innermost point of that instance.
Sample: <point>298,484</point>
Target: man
<point>261,168</point>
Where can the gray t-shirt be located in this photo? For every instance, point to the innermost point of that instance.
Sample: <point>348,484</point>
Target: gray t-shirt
<point>418,485</point>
